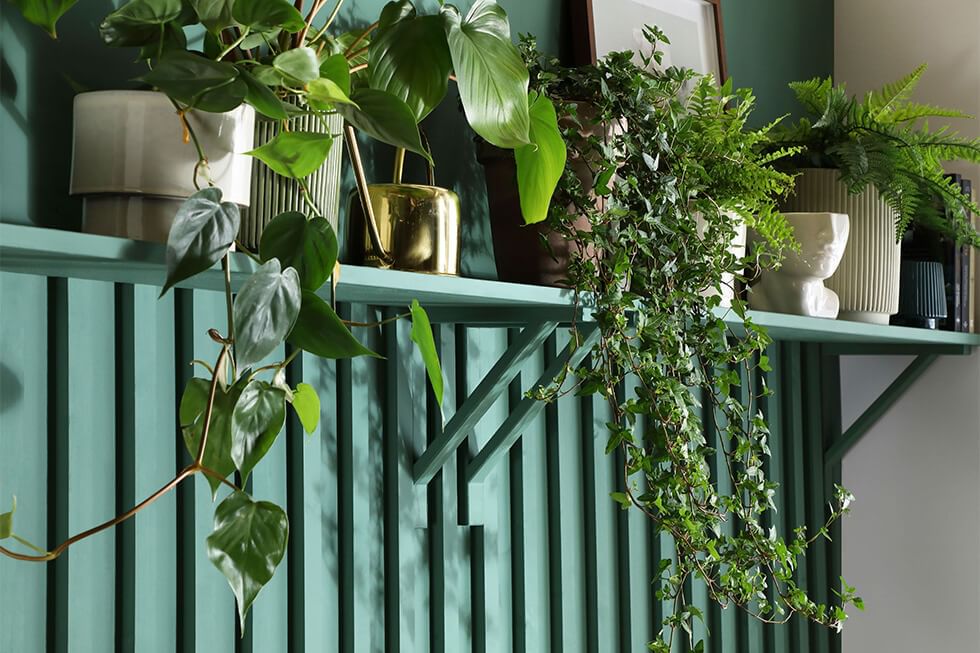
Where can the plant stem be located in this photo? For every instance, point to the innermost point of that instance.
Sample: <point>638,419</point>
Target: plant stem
<point>234,44</point>
<point>199,459</point>
<point>202,159</point>
<point>376,324</point>
<point>229,305</point>
<point>367,30</point>
<point>307,198</point>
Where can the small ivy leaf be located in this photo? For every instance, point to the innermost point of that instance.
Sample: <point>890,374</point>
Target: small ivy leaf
<point>622,499</point>
<point>309,246</point>
<point>300,64</point>
<point>265,311</point>
<point>7,521</point>
<point>295,154</point>
<point>255,424</point>
<point>423,339</point>
<point>268,15</point>
<point>306,403</point>
<point>247,544</point>
<point>217,454</point>
<point>320,331</point>
<point>203,231</point>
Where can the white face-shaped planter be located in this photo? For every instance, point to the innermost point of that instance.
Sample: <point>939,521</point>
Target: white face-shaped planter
<point>797,287</point>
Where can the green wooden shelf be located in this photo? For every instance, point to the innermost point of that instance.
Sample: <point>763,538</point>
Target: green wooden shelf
<point>51,252</point>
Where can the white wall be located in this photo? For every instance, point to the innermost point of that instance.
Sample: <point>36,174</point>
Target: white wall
<point>912,542</point>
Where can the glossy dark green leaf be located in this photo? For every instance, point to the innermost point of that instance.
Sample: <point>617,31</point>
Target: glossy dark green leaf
<point>7,519</point>
<point>383,116</point>
<point>422,337</point>
<point>265,310</point>
<point>217,454</point>
<point>540,165</point>
<point>323,94</point>
<point>44,13</point>
<point>306,403</point>
<point>410,59</point>
<point>259,39</point>
<point>267,75</point>
<point>492,78</point>
<point>203,231</point>
<point>247,544</point>
<point>336,68</point>
<point>197,82</point>
<point>299,64</point>
<point>170,38</point>
<point>262,98</point>
<point>309,246</point>
<point>214,14</point>
<point>320,331</point>
<point>295,154</point>
<point>255,424</point>
<point>139,22</point>
<point>266,15</point>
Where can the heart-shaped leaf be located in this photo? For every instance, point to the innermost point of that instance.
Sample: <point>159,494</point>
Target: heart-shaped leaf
<point>258,39</point>
<point>295,154</point>
<point>300,64</point>
<point>214,14</point>
<point>492,78</point>
<point>262,98</point>
<point>383,116</point>
<point>267,15</point>
<point>138,22</point>
<point>44,13</point>
<point>306,403</point>
<point>203,231</point>
<point>265,311</point>
<point>255,424</point>
<point>170,38</point>
<point>423,339</point>
<point>337,69</point>
<point>540,165</point>
<point>309,246</point>
<point>193,405</point>
<point>320,331</point>
<point>247,544</point>
<point>323,94</point>
<point>198,82</point>
<point>410,59</point>
<point>7,518</point>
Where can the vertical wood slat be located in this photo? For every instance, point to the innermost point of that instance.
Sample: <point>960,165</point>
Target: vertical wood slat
<point>345,496</point>
<point>435,506</point>
<point>796,477</point>
<point>589,530</point>
<point>58,456</point>
<point>553,512</point>
<point>815,491</point>
<point>777,637</point>
<point>184,536</point>
<point>518,558</point>
<point>25,403</point>
<point>831,402</point>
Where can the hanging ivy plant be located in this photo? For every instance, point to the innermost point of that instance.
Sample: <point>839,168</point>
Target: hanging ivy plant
<point>678,171</point>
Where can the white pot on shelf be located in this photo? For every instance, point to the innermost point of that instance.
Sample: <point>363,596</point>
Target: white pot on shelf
<point>866,282</point>
<point>133,167</point>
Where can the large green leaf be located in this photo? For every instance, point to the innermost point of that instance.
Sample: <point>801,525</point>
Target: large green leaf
<point>139,22</point>
<point>323,94</point>
<point>267,15</point>
<point>336,68</point>
<point>217,454</point>
<point>197,81</point>
<point>295,154</point>
<point>309,246</point>
<point>247,544</point>
<point>320,331</point>
<point>306,403</point>
<point>265,311</point>
<point>44,13</point>
<point>7,521</point>
<point>422,337</point>
<point>214,14</point>
<point>383,116</point>
<point>261,97</point>
<point>300,64</point>
<point>540,165</point>
<point>203,231</point>
<point>255,424</point>
<point>492,78</point>
<point>410,59</point>
<point>169,38</point>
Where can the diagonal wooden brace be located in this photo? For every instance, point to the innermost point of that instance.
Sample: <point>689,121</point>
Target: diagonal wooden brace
<point>528,409</point>
<point>480,400</point>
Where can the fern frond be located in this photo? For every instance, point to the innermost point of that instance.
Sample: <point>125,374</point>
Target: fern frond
<point>813,93</point>
<point>916,111</point>
<point>890,96</point>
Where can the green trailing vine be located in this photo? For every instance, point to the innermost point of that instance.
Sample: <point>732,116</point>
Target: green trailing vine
<point>883,141</point>
<point>685,408</point>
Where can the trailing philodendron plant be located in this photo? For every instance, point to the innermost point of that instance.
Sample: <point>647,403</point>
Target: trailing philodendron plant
<point>677,177</point>
<point>881,141</point>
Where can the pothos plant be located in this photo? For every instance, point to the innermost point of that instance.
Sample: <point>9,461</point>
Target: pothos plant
<point>678,170</point>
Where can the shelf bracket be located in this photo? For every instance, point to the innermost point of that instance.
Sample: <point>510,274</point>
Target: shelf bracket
<point>529,408</point>
<point>481,399</point>
<point>877,409</point>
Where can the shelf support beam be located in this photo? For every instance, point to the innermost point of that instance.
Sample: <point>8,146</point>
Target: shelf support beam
<point>481,399</point>
<point>529,408</point>
<point>877,409</point>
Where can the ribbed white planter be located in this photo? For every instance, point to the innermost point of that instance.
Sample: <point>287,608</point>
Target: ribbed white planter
<point>132,167</point>
<point>273,194</point>
<point>867,280</point>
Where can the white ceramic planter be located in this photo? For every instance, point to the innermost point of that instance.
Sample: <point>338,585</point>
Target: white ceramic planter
<point>131,164</point>
<point>867,280</point>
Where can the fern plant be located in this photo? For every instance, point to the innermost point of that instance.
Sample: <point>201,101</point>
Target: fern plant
<point>884,140</point>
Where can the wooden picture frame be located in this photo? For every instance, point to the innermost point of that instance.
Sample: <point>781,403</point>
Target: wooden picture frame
<point>582,19</point>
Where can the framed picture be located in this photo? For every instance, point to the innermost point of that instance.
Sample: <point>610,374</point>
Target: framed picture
<point>693,27</point>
